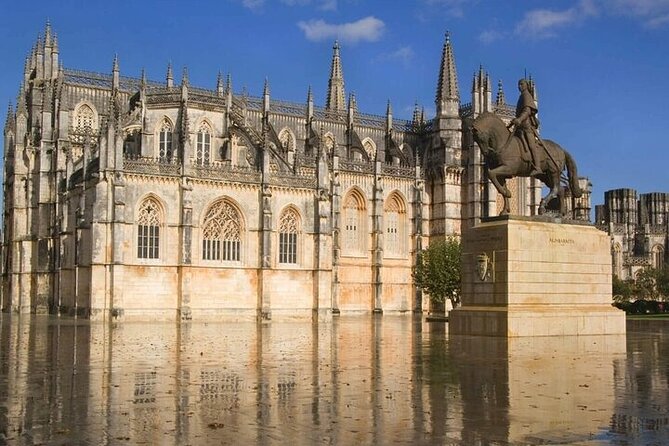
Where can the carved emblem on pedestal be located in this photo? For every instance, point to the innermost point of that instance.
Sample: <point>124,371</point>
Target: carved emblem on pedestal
<point>484,267</point>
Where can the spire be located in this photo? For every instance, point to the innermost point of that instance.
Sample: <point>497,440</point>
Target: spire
<point>184,77</point>
<point>169,78</point>
<point>184,85</point>
<point>10,116</point>
<point>415,119</point>
<point>265,97</point>
<point>336,95</point>
<point>219,84</point>
<point>389,116</point>
<point>501,100</point>
<point>228,84</point>
<point>40,44</point>
<point>310,104</point>
<point>447,87</point>
<point>21,107</point>
<point>55,43</point>
<point>352,107</point>
<point>143,81</point>
<point>115,74</point>
<point>47,33</point>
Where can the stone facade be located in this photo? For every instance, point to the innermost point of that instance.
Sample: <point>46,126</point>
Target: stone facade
<point>638,225</point>
<point>126,197</point>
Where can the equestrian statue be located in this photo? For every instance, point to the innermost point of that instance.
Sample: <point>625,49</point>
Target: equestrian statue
<point>522,153</point>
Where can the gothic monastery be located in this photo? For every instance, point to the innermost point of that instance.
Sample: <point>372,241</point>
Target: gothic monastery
<point>127,198</point>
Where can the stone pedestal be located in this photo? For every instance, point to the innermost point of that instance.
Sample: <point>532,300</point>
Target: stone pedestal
<point>531,277</point>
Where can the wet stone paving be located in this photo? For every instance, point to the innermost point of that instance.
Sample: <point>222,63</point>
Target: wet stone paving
<point>373,380</point>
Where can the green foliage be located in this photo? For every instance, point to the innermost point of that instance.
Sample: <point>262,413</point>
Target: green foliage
<point>623,290</point>
<point>438,272</point>
<point>645,285</point>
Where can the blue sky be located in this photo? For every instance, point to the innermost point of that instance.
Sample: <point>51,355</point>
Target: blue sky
<point>601,66</point>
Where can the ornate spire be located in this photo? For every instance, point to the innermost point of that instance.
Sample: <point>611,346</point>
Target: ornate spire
<point>447,87</point>
<point>47,33</point>
<point>55,43</point>
<point>169,78</point>
<point>352,107</point>
<point>219,84</point>
<point>265,97</point>
<point>10,116</point>
<point>21,107</point>
<point>415,118</point>
<point>336,96</point>
<point>501,100</point>
<point>310,104</point>
<point>143,81</point>
<point>115,73</point>
<point>40,45</point>
<point>389,116</point>
<point>228,84</point>
<point>184,77</point>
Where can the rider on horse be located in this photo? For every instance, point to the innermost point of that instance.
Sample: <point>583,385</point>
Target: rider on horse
<point>526,125</point>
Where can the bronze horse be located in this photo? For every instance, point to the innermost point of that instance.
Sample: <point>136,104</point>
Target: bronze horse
<point>502,153</point>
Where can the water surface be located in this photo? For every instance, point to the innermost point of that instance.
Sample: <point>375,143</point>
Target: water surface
<point>355,380</point>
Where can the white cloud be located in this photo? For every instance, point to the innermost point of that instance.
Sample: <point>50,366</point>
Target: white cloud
<point>455,8</point>
<point>653,13</point>
<point>489,36</point>
<point>368,29</point>
<point>403,55</point>
<point>253,5</point>
<point>328,5</point>
<point>542,23</point>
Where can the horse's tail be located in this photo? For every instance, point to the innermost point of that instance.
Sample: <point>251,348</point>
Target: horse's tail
<point>576,191</point>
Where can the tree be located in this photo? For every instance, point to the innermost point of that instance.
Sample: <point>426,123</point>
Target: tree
<point>438,271</point>
<point>622,290</point>
<point>645,285</point>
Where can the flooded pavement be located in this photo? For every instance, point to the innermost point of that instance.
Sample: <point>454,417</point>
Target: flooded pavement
<point>355,380</point>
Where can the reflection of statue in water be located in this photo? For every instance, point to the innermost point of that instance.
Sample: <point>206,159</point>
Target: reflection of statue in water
<point>526,125</point>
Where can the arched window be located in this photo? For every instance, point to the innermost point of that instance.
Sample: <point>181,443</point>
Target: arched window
<point>149,220</point>
<point>165,141</point>
<point>329,143</point>
<point>221,233</point>
<point>658,257</point>
<point>85,119</point>
<point>353,240</point>
<point>289,230</point>
<point>395,223</point>
<point>203,146</point>
<point>287,139</point>
<point>370,148</point>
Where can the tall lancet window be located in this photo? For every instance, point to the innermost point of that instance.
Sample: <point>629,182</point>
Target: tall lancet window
<point>148,229</point>
<point>165,141</point>
<point>395,227</point>
<point>289,230</point>
<point>203,146</point>
<point>353,224</point>
<point>221,235</point>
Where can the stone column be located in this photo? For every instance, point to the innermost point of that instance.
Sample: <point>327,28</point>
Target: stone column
<point>377,239</point>
<point>185,260</point>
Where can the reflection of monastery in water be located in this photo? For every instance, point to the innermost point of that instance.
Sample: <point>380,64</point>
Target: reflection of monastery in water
<point>639,229</point>
<point>125,196</point>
